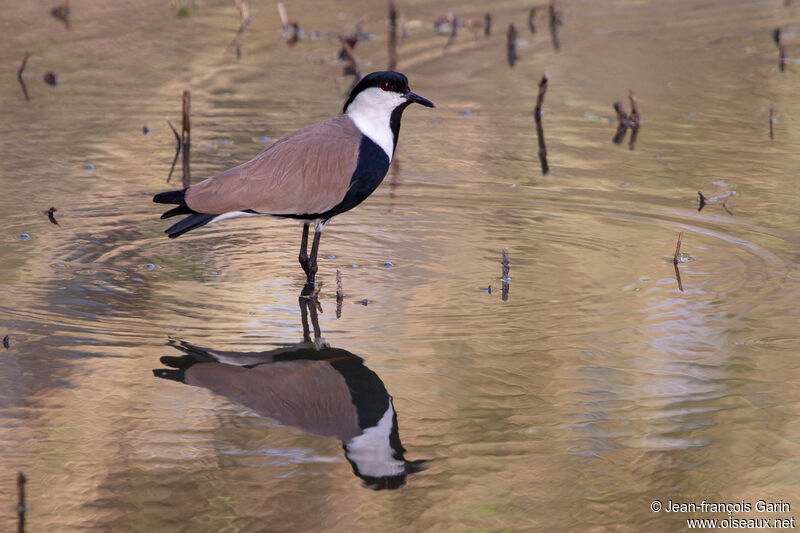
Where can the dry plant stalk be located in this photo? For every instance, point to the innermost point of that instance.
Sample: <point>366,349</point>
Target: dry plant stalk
<point>539,128</point>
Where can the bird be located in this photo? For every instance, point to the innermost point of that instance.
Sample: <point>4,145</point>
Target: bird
<point>323,390</point>
<point>312,174</point>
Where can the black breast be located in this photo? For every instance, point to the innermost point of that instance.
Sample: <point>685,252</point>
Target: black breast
<point>372,166</point>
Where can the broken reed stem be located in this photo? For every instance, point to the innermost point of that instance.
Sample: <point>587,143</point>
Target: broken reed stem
<point>555,21</point>
<point>21,480</point>
<point>676,258</point>
<point>178,146</point>
<point>511,45</point>
<point>539,128</point>
<point>771,120</point>
<point>187,133</point>
<point>506,269</point>
<point>19,75</point>
<point>392,35</point>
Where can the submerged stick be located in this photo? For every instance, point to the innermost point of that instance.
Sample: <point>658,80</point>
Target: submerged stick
<point>186,141</point>
<point>505,279</point>
<point>392,35</point>
<point>21,508</point>
<point>339,293</point>
<point>178,146</point>
<point>511,45</point>
<point>555,22</point>
<point>771,120</point>
<point>19,75</point>
<point>539,128</point>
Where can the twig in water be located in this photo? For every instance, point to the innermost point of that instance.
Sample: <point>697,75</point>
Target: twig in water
<point>187,141</point>
<point>339,293</point>
<point>62,13</point>
<point>50,215</point>
<point>506,269</point>
<point>676,258</point>
<point>776,36</point>
<point>555,22</point>
<point>244,13</point>
<point>634,118</point>
<point>21,508</point>
<point>19,75</point>
<point>771,120</point>
<point>539,128</point>
<point>50,78</point>
<point>511,45</point>
<point>392,35</point>
<point>178,146</point>
<point>487,24</point>
<point>532,20</point>
<point>348,57</point>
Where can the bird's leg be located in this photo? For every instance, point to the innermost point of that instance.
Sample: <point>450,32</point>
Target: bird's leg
<point>303,257</point>
<point>312,269</point>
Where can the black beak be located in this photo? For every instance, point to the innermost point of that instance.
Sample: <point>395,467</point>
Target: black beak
<point>415,98</point>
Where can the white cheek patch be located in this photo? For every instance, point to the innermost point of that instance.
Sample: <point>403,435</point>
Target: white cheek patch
<point>371,111</point>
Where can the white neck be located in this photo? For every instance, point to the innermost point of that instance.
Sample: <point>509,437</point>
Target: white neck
<point>371,111</point>
<point>372,452</point>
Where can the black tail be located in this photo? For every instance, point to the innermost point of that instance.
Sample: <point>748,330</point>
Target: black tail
<point>189,223</point>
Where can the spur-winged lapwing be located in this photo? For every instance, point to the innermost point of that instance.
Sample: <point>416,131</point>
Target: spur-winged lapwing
<point>312,174</point>
<point>323,390</point>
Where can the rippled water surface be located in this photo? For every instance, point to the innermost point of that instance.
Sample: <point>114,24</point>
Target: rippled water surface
<point>596,388</point>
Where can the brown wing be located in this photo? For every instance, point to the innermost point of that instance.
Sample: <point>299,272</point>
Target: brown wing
<point>306,172</point>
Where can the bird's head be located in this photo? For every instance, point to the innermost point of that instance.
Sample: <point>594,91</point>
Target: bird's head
<point>382,92</point>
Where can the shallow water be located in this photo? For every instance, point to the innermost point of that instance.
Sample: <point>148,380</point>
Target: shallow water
<point>596,388</point>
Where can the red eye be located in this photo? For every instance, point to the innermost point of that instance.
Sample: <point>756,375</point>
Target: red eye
<point>386,86</point>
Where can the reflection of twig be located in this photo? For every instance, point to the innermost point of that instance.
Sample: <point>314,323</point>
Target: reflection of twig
<point>178,146</point>
<point>532,20</point>
<point>506,269</point>
<point>511,45</point>
<point>487,24</point>
<point>392,35</point>
<point>19,75</point>
<point>539,128</point>
<point>678,276</point>
<point>776,36</point>
<point>21,480</point>
<point>622,120</point>
<point>339,293</point>
<point>771,119</point>
<point>555,21</point>
<point>187,142</point>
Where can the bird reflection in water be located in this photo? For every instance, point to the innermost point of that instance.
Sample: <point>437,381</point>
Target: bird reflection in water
<point>323,390</point>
